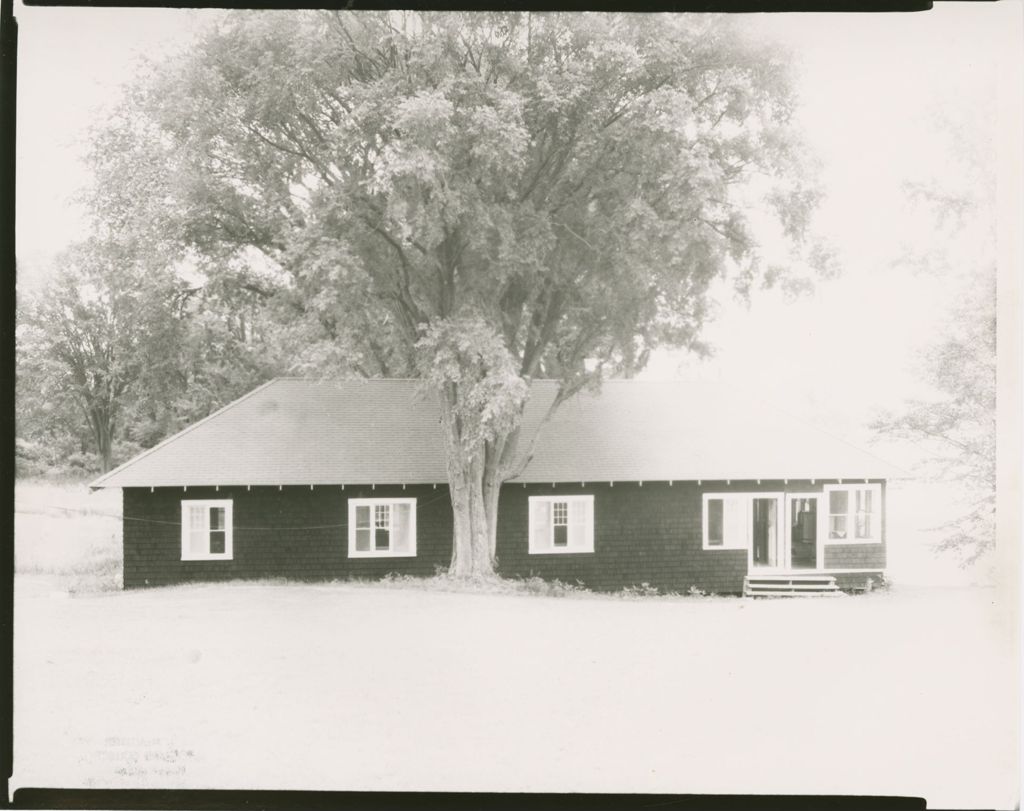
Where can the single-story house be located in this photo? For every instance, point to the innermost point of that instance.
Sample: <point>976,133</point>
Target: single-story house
<point>678,485</point>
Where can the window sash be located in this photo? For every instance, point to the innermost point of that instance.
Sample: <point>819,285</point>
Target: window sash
<point>725,519</point>
<point>206,529</point>
<point>854,513</point>
<point>561,524</point>
<point>381,527</point>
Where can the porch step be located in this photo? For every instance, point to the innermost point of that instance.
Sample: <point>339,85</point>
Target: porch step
<point>790,585</point>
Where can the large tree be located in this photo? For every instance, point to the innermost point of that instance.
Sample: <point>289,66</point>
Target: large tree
<point>473,199</point>
<point>97,332</point>
<point>955,424</point>
<point>120,349</point>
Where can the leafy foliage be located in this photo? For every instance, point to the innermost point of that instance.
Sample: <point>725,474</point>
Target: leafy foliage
<point>958,422</point>
<point>474,199</point>
<point>570,179</point>
<point>119,351</point>
<point>94,335</point>
<point>469,355</point>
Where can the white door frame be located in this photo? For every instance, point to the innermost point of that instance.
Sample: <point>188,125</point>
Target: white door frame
<point>782,547</point>
<point>818,534</point>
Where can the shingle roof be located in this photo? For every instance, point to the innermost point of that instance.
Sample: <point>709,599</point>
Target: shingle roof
<point>386,431</point>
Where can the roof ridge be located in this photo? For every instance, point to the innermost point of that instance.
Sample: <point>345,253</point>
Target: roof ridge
<point>97,483</point>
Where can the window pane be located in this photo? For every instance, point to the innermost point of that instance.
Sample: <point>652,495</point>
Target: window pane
<point>577,534</point>
<point>839,502</point>
<point>578,520</point>
<point>196,518</point>
<point>401,537</point>
<point>363,539</point>
<point>198,542</point>
<point>362,516</point>
<point>561,537</point>
<point>217,542</point>
<point>382,527</point>
<point>864,501</point>
<point>716,516</point>
<point>863,525</point>
<point>734,523</point>
<point>559,512</point>
<point>837,526</point>
<point>540,520</point>
<point>216,518</point>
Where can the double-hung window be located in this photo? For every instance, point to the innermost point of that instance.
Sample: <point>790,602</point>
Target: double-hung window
<point>561,524</point>
<point>854,513</point>
<point>206,529</point>
<point>381,527</point>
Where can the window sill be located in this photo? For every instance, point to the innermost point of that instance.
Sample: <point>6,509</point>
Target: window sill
<point>561,551</point>
<point>352,554</point>
<point>207,558</point>
<point>851,541</point>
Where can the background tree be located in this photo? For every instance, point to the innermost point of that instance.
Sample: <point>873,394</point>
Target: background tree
<point>51,433</point>
<point>117,352</point>
<point>956,424</point>
<point>474,199</point>
<point>94,334</point>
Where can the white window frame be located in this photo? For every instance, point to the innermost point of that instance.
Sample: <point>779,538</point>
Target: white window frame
<point>549,548</point>
<point>380,553</point>
<point>186,552</point>
<point>851,514</point>
<point>745,541</point>
<point>747,500</point>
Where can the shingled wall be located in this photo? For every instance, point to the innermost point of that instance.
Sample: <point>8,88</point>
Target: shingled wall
<point>649,533</point>
<point>295,532</point>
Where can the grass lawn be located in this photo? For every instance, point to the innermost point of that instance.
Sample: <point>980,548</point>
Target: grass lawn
<point>354,686</point>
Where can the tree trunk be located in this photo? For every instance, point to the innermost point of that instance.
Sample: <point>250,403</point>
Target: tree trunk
<point>474,483</point>
<point>498,454</point>
<point>471,554</point>
<point>103,433</point>
<point>106,447</point>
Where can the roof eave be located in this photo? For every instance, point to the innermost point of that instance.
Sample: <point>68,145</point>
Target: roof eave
<point>99,483</point>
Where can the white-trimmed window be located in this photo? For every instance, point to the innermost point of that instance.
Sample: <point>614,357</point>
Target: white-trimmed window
<point>381,527</point>
<point>561,524</point>
<point>725,521</point>
<point>854,513</point>
<point>206,530</point>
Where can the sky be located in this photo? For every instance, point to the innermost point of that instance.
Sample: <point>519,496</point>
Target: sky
<point>873,88</point>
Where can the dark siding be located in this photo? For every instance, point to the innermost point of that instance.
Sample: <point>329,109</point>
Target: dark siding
<point>642,534</point>
<point>652,533</point>
<point>648,533</point>
<point>855,556</point>
<point>294,532</point>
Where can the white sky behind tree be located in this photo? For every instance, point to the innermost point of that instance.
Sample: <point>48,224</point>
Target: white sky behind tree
<point>873,89</point>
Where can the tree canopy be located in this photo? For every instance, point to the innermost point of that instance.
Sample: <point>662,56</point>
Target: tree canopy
<point>572,179</point>
<point>475,199</point>
<point>97,333</point>
<point>956,424</point>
